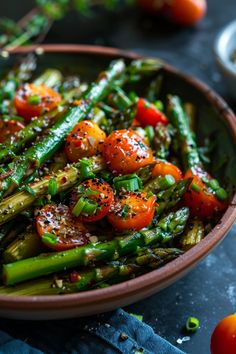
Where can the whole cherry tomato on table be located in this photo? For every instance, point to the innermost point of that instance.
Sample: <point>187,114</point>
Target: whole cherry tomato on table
<point>32,101</point>
<point>8,128</point>
<point>223,339</point>
<point>125,152</point>
<point>184,12</point>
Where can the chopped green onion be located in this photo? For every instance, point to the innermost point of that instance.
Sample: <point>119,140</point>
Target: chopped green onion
<point>34,100</point>
<point>221,194</point>
<point>49,239</point>
<point>90,207</point>
<point>124,211</point>
<point>84,206</point>
<point>195,187</point>
<point>132,96</point>
<point>214,184</point>
<point>150,133</point>
<point>85,167</point>
<point>29,190</point>
<point>192,324</point>
<point>131,183</point>
<point>52,186</point>
<point>167,181</point>
<point>139,317</point>
<point>159,105</point>
<point>77,210</point>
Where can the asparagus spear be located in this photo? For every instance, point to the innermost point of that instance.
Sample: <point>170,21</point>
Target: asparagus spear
<point>40,152</point>
<point>178,118</point>
<point>16,203</point>
<point>144,260</point>
<point>167,228</point>
<point>29,133</point>
<point>26,245</point>
<point>193,234</point>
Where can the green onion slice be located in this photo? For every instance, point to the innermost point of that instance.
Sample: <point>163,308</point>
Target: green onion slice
<point>192,324</point>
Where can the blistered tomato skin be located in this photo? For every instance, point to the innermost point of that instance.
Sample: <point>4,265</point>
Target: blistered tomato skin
<point>223,339</point>
<point>32,101</point>
<point>8,128</point>
<point>201,201</point>
<point>104,198</point>
<point>167,168</point>
<point>84,140</point>
<point>56,219</point>
<point>148,114</point>
<point>125,152</point>
<point>132,211</point>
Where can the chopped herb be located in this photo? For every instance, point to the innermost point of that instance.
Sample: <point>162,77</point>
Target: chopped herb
<point>34,100</point>
<point>131,183</point>
<point>221,194</point>
<point>52,186</point>
<point>192,324</point>
<point>49,239</point>
<point>139,317</point>
<point>125,211</point>
<point>195,187</point>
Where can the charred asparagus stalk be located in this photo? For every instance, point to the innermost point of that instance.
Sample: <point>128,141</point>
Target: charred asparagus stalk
<point>43,150</point>
<point>167,228</point>
<point>144,260</point>
<point>16,203</point>
<point>193,234</point>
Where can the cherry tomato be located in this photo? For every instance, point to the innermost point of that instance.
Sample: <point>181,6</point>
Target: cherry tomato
<point>8,128</point>
<point>132,211</point>
<point>223,339</point>
<point>84,140</point>
<point>199,198</point>
<point>166,168</point>
<point>186,12</point>
<point>58,229</point>
<point>125,152</point>
<point>31,100</point>
<point>148,114</point>
<point>96,191</point>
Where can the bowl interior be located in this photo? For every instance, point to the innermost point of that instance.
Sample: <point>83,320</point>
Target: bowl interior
<point>209,125</point>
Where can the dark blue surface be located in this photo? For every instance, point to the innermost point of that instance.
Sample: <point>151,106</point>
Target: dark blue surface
<point>111,333</point>
<point>209,291</point>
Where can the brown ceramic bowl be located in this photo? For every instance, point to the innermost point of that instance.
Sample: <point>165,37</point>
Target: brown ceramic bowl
<point>214,114</point>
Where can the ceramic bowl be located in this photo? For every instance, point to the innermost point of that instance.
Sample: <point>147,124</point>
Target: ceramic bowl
<point>215,119</point>
<point>225,45</point>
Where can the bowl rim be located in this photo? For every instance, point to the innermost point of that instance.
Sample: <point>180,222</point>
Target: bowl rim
<point>161,275</point>
<point>226,64</point>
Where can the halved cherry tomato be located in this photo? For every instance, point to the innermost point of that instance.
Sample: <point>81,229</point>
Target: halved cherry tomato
<point>223,339</point>
<point>148,114</point>
<point>125,152</point>
<point>132,211</point>
<point>31,100</point>
<point>166,168</point>
<point>96,191</point>
<point>199,198</point>
<point>58,229</point>
<point>8,128</point>
<point>84,140</point>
